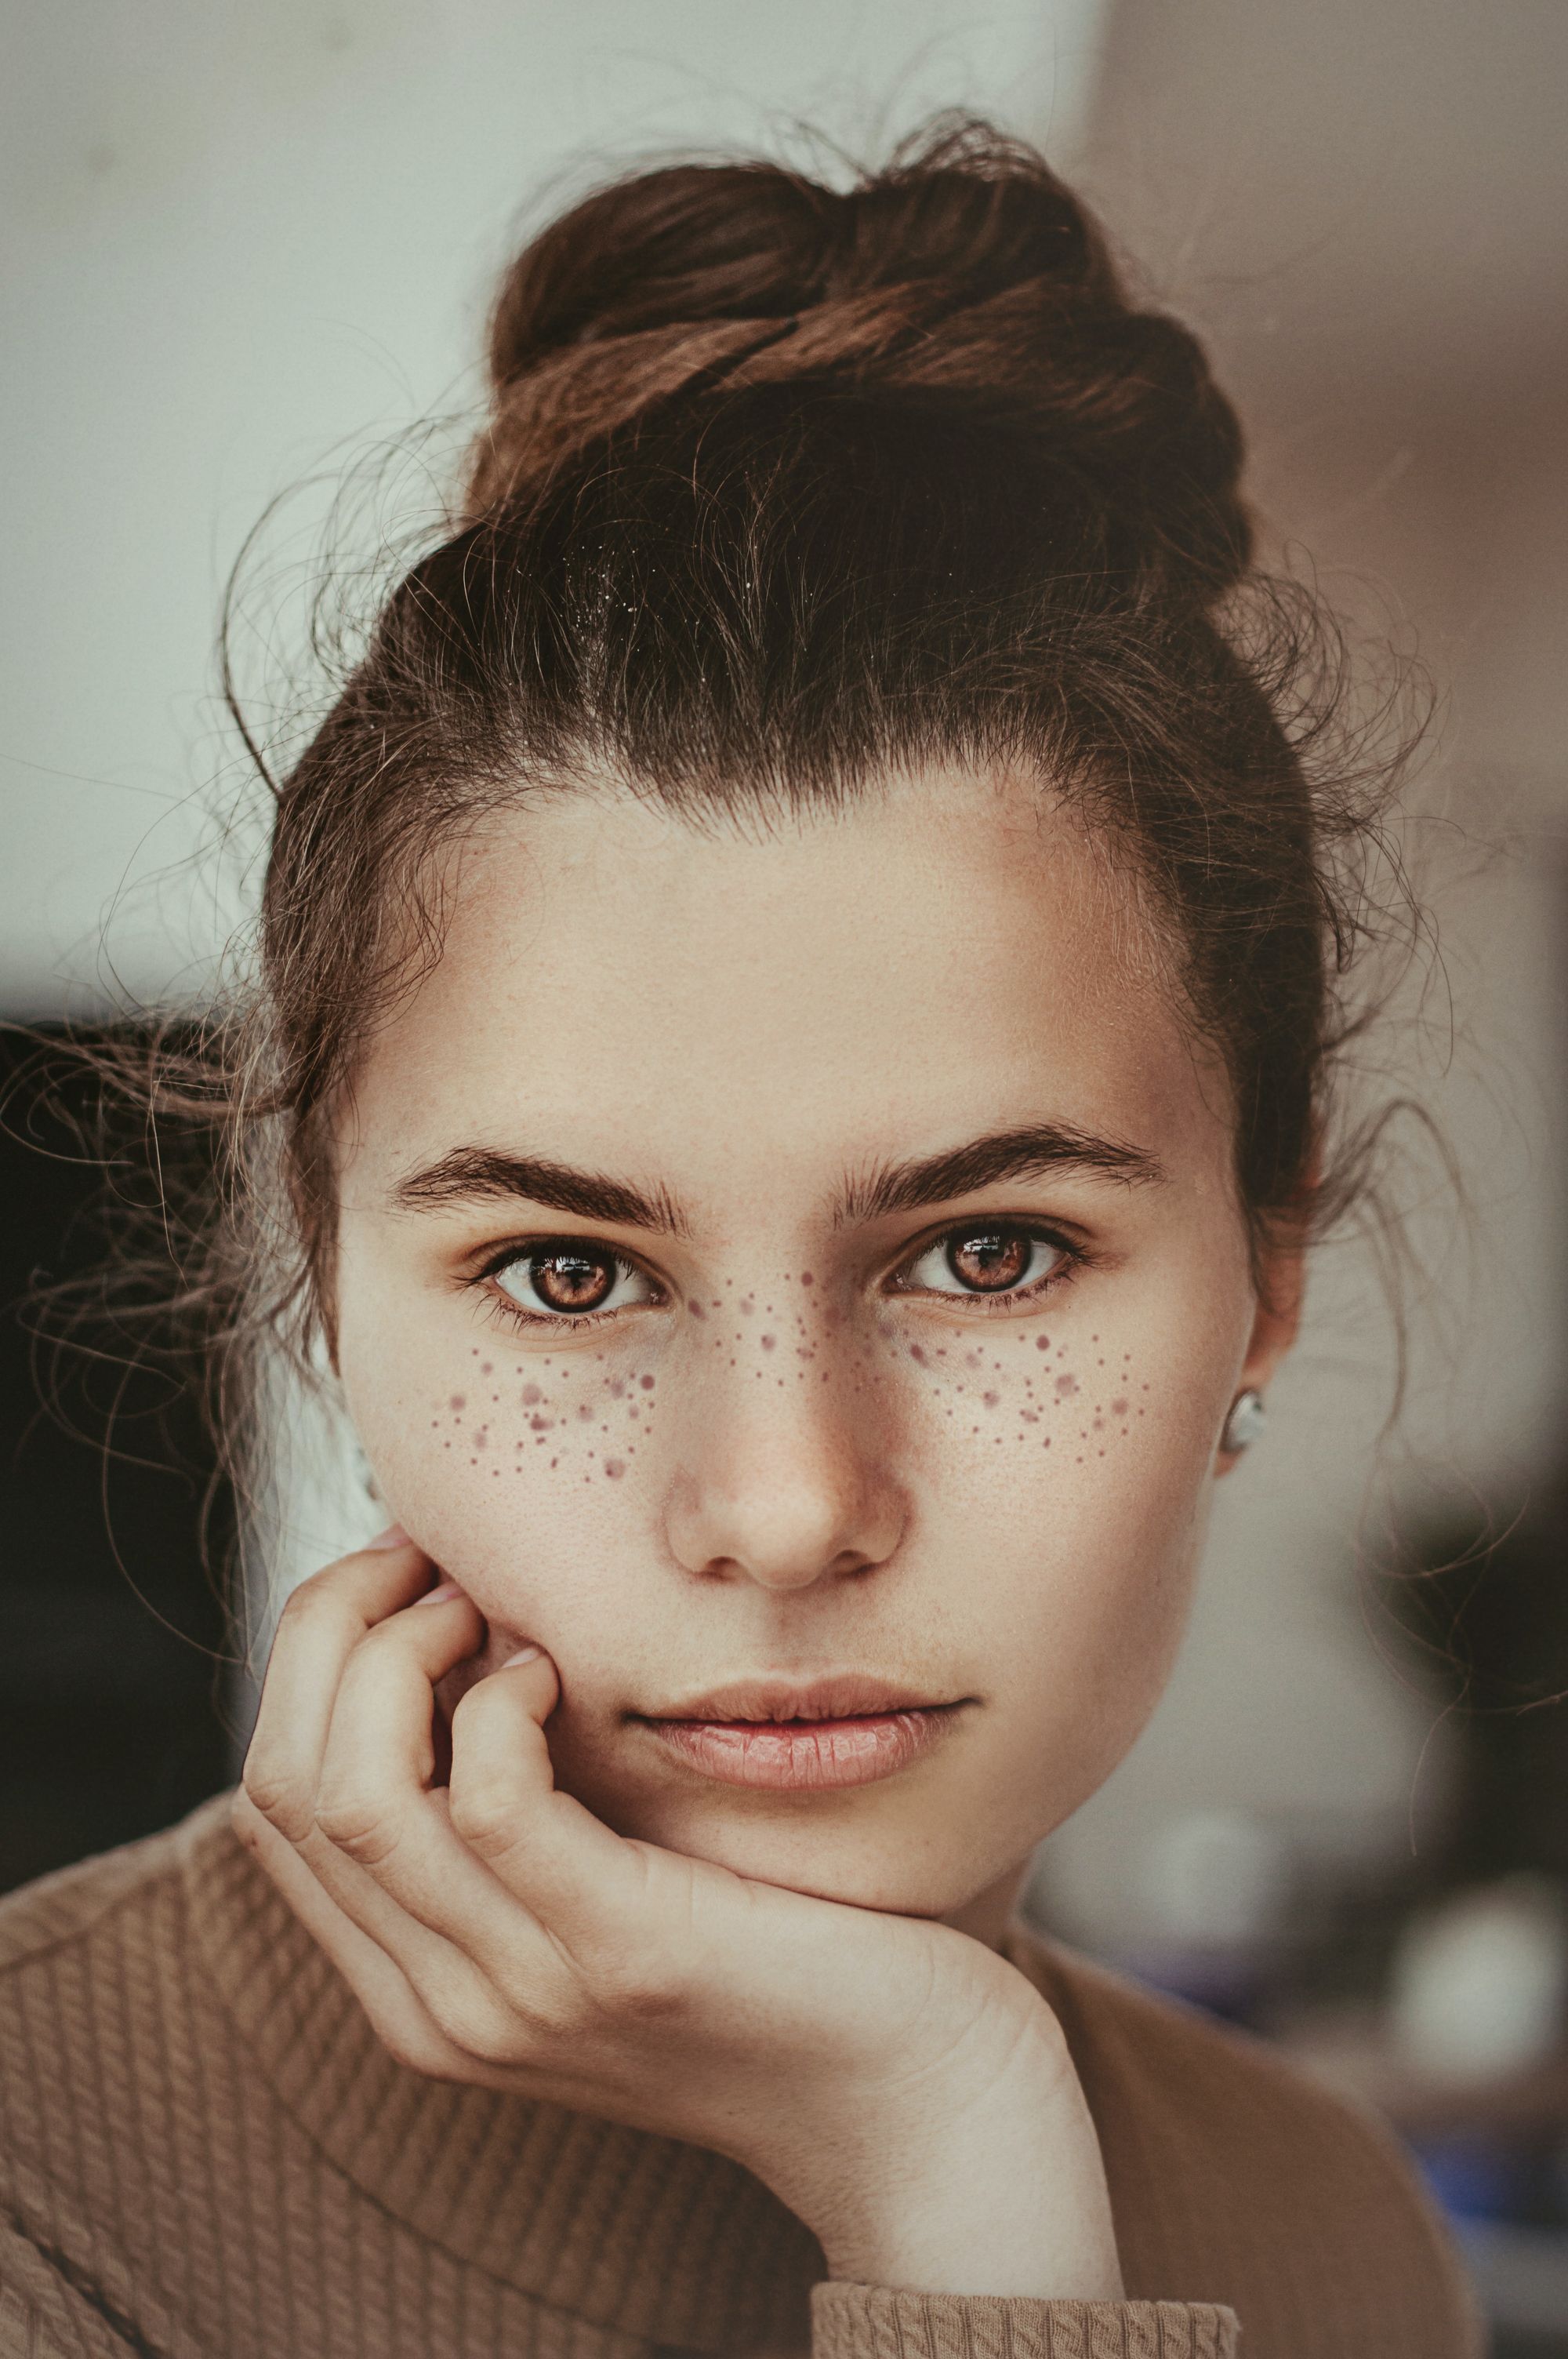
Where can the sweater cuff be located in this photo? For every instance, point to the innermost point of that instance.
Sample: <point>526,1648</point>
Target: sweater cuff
<point>861,2321</point>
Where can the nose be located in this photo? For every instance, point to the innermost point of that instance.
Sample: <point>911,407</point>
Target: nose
<point>784,1492</point>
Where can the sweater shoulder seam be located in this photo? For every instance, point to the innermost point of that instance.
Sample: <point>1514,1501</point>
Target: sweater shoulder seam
<point>93,1914</point>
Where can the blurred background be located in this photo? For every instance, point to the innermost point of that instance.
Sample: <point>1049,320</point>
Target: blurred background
<point>245,245</point>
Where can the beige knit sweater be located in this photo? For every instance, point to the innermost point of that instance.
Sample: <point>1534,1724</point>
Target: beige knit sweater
<point>205,2153</point>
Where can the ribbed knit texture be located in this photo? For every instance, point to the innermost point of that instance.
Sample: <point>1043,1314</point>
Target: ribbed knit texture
<point>205,2153</point>
<point>875,2323</point>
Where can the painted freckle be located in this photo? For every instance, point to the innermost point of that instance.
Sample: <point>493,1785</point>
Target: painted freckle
<point>537,1424</point>
<point>1119,1408</point>
<point>647,1384</point>
<point>458,1401</point>
<point>614,1467</point>
<point>768,1343</point>
<point>696,1309</point>
<point>531,1395</point>
<point>1066,1387</point>
<point>748,1306</point>
<point>584,1409</point>
<point>991,1399</point>
<point>806,1279</point>
<point>917,1352</point>
<point>1043,1342</point>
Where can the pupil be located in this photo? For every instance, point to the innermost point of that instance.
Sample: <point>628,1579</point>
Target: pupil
<point>993,1260</point>
<point>570,1281</point>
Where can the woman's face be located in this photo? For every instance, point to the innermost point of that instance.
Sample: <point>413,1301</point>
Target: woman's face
<point>806,1264</point>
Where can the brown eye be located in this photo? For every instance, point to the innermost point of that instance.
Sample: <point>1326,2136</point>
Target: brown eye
<point>570,1280</point>
<point>997,1258</point>
<point>991,1259</point>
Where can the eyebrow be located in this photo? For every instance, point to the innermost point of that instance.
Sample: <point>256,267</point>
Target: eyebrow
<point>472,1175</point>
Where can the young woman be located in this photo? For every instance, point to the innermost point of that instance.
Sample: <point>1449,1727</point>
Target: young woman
<point>793,1049</point>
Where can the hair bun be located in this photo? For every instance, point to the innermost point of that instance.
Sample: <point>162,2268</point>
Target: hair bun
<point>962,271</point>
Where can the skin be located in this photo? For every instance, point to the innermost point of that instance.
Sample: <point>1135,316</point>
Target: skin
<point>797,1439</point>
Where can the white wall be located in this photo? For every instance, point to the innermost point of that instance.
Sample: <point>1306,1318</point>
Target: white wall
<point>238,240</point>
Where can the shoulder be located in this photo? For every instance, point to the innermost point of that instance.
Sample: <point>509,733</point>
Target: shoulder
<point>84,1929</point>
<point>101,2008</point>
<point>77,1904</point>
<point>1235,2177</point>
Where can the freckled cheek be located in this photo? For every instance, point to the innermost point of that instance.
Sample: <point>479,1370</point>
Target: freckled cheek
<point>1013,1401</point>
<point>558,1560</point>
<point>523,1482</point>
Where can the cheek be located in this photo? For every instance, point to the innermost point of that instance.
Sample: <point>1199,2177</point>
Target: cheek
<point>1063,1476</point>
<point>522,1477</point>
<point>1012,1399</point>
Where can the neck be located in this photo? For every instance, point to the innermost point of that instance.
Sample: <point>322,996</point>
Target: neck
<point>985,1918</point>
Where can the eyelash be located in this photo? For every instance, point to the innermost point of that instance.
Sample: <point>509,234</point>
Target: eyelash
<point>507,1308</point>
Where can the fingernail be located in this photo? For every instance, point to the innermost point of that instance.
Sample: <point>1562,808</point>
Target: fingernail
<point>524,1655</point>
<point>394,1537</point>
<point>439,1596</point>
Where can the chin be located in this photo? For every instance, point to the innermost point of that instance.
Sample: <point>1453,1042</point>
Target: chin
<point>815,1847</point>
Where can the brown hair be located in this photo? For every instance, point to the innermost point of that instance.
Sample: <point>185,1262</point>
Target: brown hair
<point>783,487</point>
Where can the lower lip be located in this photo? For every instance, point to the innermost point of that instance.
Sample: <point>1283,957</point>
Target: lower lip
<point>806,1754</point>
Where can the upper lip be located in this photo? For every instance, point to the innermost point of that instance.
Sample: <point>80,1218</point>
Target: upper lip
<point>837,1695</point>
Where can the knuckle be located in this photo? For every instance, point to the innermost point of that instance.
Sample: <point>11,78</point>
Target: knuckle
<point>420,2047</point>
<point>477,2024</point>
<point>359,1825</point>
<point>643,1985</point>
<point>308,1602</point>
<point>485,1815</point>
<point>281,1795</point>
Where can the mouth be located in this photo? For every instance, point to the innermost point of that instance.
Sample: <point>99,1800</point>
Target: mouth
<point>844,1730</point>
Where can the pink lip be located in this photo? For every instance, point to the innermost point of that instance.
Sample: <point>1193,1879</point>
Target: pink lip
<point>844,1730</point>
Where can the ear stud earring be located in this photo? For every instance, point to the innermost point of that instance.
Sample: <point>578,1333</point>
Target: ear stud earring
<point>1246,1422</point>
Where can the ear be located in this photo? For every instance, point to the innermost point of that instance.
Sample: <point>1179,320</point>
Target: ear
<point>1281,1288</point>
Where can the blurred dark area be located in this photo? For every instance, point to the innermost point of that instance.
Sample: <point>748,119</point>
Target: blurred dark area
<point>1484,1615</point>
<point>111,1675</point>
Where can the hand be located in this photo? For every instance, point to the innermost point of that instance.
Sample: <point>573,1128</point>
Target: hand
<point>901,2087</point>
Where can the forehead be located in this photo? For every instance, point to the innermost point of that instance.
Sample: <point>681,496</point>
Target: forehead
<point>618,983</point>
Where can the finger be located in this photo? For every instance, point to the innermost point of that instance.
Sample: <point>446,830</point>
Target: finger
<point>565,1865</point>
<point>381,1738</point>
<point>374,1801</point>
<point>323,1621</point>
<point>398,2014</point>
